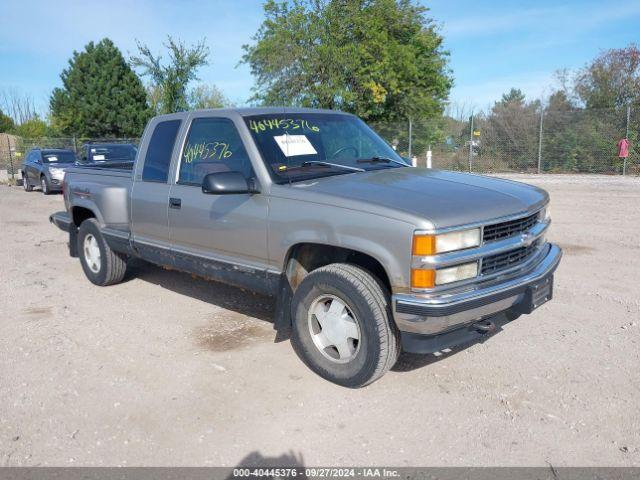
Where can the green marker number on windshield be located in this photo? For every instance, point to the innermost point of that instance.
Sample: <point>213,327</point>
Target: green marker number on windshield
<point>270,124</point>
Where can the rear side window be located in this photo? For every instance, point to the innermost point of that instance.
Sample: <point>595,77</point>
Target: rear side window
<point>158,157</point>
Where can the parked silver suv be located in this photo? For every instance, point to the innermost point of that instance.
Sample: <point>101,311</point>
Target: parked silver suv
<point>45,168</point>
<point>365,254</point>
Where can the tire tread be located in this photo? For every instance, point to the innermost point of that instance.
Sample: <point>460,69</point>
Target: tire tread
<point>375,295</point>
<point>115,263</point>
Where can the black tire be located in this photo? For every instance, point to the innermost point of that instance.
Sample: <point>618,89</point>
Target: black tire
<point>44,184</point>
<point>25,183</point>
<point>378,346</point>
<point>112,265</point>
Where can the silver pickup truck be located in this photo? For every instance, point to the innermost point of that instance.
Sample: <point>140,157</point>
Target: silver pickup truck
<point>365,254</point>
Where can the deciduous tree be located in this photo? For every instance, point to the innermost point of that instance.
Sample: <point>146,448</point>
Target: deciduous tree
<point>207,96</point>
<point>612,79</point>
<point>380,59</point>
<point>171,81</point>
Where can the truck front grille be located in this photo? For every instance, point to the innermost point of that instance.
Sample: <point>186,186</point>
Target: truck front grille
<point>501,230</point>
<point>509,259</point>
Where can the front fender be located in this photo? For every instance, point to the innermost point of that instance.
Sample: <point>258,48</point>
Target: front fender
<point>386,239</point>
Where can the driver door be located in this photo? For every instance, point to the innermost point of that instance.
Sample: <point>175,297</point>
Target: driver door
<point>218,228</point>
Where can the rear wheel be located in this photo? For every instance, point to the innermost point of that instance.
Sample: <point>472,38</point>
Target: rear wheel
<point>101,265</point>
<point>342,326</point>
<point>25,183</point>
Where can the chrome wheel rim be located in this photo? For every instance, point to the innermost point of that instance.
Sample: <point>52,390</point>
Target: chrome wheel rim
<point>334,329</point>
<point>92,253</point>
<point>24,182</point>
<point>44,185</point>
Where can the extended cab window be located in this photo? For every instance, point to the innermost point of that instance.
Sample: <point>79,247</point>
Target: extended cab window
<point>213,145</point>
<point>158,157</point>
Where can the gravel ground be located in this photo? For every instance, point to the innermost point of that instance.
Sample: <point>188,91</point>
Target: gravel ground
<point>167,370</point>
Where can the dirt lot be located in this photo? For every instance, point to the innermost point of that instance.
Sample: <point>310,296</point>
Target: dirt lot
<point>167,370</point>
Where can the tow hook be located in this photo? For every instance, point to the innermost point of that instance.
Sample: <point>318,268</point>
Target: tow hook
<point>484,326</point>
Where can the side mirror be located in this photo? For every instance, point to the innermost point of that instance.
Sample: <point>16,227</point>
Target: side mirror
<point>226,183</point>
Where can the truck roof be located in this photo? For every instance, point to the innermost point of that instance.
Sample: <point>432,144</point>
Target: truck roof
<point>250,111</point>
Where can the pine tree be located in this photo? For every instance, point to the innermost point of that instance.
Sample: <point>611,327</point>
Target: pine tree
<point>101,95</point>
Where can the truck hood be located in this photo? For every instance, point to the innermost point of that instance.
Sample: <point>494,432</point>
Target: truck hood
<point>445,199</point>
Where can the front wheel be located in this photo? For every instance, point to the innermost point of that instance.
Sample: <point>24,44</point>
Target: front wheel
<point>101,265</point>
<point>45,185</point>
<point>25,184</point>
<point>342,325</point>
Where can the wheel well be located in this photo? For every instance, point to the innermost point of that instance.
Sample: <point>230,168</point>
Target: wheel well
<point>80,214</point>
<point>306,257</point>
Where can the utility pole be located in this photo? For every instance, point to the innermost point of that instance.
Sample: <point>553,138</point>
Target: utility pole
<point>471,142</point>
<point>13,173</point>
<point>540,143</point>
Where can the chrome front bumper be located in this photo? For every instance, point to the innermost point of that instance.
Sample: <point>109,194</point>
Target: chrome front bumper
<point>438,312</point>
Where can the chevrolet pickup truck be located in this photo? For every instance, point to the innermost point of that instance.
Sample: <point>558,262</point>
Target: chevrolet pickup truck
<point>365,255</point>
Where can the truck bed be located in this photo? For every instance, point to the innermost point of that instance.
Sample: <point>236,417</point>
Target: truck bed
<point>105,190</point>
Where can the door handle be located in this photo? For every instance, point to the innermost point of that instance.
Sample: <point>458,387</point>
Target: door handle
<point>175,202</point>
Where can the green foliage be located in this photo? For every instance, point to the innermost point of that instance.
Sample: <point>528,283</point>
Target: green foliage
<point>101,96</point>
<point>33,128</point>
<point>611,80</point>
<point>380,59</point>
<point>207,96</point>
<point>585,119</point>
<point>169,82</point>
<point>6,123</point>
<point>513,97</point>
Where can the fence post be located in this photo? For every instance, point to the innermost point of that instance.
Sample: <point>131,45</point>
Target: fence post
<point>13,173</point>
<point>470,142</point>
<point>540,143</point>
<point>75,145</point>
<point>624,163</point>
<point>410,138</point>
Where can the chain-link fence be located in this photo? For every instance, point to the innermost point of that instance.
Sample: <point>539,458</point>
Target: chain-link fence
<point>546,141</point>
<point>507,140</point>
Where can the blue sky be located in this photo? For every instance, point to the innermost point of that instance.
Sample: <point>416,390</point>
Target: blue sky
<point>494,45</point>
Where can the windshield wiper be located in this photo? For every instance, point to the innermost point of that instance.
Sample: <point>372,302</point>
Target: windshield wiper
<point>381,160</point>
<point>320,163</point>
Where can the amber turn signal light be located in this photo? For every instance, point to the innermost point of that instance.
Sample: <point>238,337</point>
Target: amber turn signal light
<point>424,244</point>
<point>423,278</point>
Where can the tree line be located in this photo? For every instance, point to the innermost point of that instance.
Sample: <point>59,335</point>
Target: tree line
<point>382,60</point>
<point>580,122</point>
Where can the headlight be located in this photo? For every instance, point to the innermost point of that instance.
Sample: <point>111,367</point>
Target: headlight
<point>56,171</point>
<point>446,242</point>
<point>545,215</point>
<point>457,273</point>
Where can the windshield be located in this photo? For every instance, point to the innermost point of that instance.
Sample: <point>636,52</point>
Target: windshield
<point>105,153</point>
<point>58,157</point>
<point>299,146</point>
